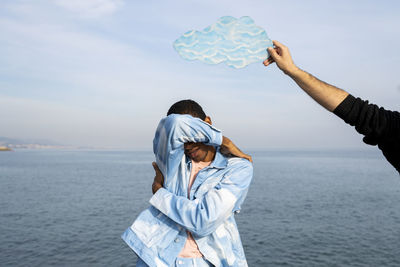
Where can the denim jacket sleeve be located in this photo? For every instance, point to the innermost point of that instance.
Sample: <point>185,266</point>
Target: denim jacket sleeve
<point>172,132</point>
<point>202,216</point>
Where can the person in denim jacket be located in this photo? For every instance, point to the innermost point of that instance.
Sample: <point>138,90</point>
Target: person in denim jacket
<point>197,191</point>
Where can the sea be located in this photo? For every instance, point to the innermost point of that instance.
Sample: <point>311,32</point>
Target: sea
<point>304,208</point>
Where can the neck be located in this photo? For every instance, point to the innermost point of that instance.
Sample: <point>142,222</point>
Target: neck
<point>210,154</point>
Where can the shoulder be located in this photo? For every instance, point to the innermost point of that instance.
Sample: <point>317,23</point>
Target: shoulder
<point>239,166</point>
<point>238,172</point>
<point>239,162</point>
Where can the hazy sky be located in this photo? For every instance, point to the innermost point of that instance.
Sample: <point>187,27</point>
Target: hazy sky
<point>104,72</point>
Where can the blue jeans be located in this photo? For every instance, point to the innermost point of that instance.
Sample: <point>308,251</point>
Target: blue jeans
<point>183,262</point>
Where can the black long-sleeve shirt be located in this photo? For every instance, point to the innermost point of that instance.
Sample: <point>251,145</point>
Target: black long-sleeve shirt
<point>379,126</point>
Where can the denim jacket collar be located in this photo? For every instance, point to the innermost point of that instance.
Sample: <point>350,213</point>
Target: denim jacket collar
<point>219,162</point>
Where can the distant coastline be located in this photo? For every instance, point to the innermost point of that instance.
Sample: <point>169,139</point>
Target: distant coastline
<point>37,146</point>
<point>14,144</point>
<point>11,144</point>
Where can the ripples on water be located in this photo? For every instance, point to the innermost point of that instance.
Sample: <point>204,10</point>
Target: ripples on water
<point>69,208</point>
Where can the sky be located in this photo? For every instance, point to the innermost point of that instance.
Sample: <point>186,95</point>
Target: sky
<point>104,72</point>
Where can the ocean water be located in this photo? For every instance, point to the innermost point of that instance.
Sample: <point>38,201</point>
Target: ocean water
<point>304,208</point>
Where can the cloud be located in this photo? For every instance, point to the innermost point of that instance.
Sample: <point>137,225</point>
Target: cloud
<point>238,42</point>
<point>91,8</point>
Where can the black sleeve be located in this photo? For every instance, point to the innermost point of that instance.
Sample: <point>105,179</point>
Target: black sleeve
<point>379,126</point>
<point>375,123</point>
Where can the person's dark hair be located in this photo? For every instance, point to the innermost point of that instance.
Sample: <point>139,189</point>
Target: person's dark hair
<point>187,106</point>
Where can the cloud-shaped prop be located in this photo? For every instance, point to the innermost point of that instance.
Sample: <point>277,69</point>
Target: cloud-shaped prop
<point>238,42</point>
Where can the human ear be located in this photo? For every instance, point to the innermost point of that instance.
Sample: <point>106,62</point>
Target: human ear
<point>208,120</point>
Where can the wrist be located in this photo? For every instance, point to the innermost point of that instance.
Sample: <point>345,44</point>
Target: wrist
<point>292,71</point>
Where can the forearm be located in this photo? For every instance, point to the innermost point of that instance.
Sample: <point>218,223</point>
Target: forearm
<point>204,214</point>
<point>325,94</point>
<point>229,148</point>
<point>172,132</point>
<point>201,217</point>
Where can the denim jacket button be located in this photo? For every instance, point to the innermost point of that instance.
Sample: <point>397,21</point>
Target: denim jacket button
<point>176,240</point>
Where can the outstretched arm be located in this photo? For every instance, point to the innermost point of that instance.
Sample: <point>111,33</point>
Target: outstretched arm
<point>325,94</point>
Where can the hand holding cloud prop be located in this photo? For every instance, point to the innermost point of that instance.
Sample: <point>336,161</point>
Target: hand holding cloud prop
<point>237,42</point>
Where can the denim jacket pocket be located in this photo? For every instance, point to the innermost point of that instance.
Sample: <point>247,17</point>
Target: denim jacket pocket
<point>153,228</point>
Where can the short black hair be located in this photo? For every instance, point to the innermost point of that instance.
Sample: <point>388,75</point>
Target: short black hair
<point>187,106</point>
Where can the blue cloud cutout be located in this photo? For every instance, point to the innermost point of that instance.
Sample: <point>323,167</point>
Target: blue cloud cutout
<point>238,42</point>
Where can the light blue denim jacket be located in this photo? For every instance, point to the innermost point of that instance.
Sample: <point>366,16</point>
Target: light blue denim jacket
<point>159,233</point>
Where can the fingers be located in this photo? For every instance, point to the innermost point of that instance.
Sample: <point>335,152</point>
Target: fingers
<point>155,167</point>
<point>273,53</point>
<point>278,44</point>
<point>268,61</point>
<point>158,178</point>
<point>249,158</point>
